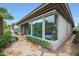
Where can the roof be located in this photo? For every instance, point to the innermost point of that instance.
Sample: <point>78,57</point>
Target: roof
<point>61,8</point>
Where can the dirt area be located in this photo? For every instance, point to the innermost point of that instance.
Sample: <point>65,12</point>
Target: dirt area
<point>68,48</point>
<point>25,48</point>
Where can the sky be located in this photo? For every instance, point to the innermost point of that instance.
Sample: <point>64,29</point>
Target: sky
<point>19,10</point>
<point>74,7</point>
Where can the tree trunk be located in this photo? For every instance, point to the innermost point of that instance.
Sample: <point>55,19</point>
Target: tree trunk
<point>1,26</point>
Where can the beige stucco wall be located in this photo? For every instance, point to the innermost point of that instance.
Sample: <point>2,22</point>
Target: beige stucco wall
<point>64,31</point>
<point>70,29</point>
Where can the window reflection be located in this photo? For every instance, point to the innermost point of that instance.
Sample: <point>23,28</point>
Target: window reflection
<point>37,28</point>
<point>29,28</point>
<point>50,30</point>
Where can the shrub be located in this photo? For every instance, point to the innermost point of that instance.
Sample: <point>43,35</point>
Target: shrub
<point>2,53</point>
<point>76,39</point>
<point>8,32</point>
<point>14,39</point>
<point>76,54</point>
<point>39,41</point>
<point>6,40</point>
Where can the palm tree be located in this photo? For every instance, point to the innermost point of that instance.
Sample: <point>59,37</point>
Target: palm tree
<point>4,15</point>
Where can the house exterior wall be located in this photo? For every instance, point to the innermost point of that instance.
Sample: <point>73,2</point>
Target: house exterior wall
<point>64,31</point>
<point>70,29</point>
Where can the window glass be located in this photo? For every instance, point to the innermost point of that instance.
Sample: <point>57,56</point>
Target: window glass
<point>29,28</point>
<point>50,29</point>
<point>37,28</point>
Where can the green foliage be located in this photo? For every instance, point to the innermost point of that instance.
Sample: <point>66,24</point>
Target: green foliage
<point>2,53</point>
<point>5,40</point>
<point>75,54</point>
<point>3,10</point>
<point>7,32</point>
<point>77,28</point>
<point>76,32</point>
<point>4,13</point>
<point>14,39</point>
<point>5,26</point>
<point>38,41</point>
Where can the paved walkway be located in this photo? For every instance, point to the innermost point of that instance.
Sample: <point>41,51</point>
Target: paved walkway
<point>25,48</point>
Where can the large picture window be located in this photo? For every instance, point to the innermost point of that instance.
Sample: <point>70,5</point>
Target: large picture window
<point>50,29</point>
<point>37,28</point>
<point>44,27</point>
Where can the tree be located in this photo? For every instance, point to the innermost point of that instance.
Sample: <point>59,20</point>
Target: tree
<point>4,15</point>
<point>5,26</point>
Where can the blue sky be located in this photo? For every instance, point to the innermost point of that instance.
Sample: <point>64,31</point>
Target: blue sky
<point>19,10</point>
<point>74,7</point>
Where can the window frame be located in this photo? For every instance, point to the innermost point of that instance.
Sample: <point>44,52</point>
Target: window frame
<point>53,12</point>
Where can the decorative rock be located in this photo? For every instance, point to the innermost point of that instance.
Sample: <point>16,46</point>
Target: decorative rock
<point>49,54</point>
<point>34,46</point>
<point>22,38</point>
<point>63,54</point>
<point>25,48</point>
<point>39,47</point>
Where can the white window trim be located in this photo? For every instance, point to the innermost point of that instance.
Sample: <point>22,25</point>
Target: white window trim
<point>43,28</point>
<point>23,29</point>
<point>31,28</point>
<point>19,29</point>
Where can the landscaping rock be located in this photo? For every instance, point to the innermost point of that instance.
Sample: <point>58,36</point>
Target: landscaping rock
<point>26,48</point>
<point>49,54</point>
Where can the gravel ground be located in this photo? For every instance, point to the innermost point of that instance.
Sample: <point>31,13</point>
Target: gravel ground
<point>25,48</point>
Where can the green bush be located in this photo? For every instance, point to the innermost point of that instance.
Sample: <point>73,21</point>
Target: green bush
<point>14,39</point>
<point>39,41</point>
<point>2,53</point>
<point>8,32</point>
<point>74,53</point>
<point>6,40</point>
